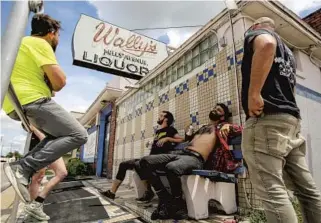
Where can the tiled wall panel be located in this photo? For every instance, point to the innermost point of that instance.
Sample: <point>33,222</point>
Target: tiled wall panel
<point>189,99</point>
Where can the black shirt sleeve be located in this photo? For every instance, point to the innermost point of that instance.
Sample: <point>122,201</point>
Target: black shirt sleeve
<point>249,39</point>
<point>172,132</point>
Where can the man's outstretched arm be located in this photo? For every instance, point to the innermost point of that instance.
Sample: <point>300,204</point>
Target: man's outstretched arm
<point>176,139</point>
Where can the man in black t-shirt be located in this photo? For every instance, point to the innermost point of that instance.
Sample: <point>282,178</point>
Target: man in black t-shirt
<point>272,145</point>
<point>164,141</point>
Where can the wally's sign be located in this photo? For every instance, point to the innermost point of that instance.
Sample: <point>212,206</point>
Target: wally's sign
<point>105,47</point>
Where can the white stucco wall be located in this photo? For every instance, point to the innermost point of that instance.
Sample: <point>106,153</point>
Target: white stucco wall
<point>121,82</point>
<point>310,73</point>
<point>310,77</point>
<point>311,122</point>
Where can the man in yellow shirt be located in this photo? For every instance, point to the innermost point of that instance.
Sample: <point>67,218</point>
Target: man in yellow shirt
<point>35,75</point>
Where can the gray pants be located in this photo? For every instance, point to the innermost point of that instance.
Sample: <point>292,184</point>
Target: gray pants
<point>272,147</point>
<point>64,132</point>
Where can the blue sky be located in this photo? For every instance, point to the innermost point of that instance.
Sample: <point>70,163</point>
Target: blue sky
<point>83,85</point>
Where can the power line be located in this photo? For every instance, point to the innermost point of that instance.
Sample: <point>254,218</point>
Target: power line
<point>168,27</point>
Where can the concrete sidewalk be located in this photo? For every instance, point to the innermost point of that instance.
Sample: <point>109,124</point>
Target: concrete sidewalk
<point>80,201</point>
<point>7,198</point>
<point>126,197</point>
<point>73,201</point>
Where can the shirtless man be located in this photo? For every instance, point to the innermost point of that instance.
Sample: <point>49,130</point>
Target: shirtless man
<point>192,157</point>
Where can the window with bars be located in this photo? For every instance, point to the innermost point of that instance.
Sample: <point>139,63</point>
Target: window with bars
<point>158,83</point>
<point>196,57</point>
<point>142,96</point>
<point>169,75</point>
<point>174,73</point>
<point>204,55</point>
<point>180,68</point>
<point>188,62</point>
<point>149,89</point>
<point>213,46</point>
<point>153,85</point>
<point>163,77</point>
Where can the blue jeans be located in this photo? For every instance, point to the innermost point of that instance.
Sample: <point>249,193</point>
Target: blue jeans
<point>175,165</point>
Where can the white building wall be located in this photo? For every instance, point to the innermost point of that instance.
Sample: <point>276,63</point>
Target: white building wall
<point>310,75</point>
<point>121,82</point>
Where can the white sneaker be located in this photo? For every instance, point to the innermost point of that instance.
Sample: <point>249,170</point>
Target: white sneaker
<point>29,219</point>
<point>35,209</point>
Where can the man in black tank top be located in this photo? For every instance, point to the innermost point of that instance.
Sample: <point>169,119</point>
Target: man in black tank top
<point>272,144</point>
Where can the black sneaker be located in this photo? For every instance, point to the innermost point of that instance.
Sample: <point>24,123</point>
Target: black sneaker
<point>146,198</point>
<point>161,211</point>
<point>109,194</point>
<point>178,210</point>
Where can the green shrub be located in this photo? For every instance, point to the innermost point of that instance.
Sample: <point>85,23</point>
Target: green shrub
<point>297,209</point>
<point>49,172</point>
<point>258,216</point>
<point>76,167</point>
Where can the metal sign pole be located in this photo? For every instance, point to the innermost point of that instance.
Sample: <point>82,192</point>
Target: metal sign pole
<point>10,42</point>
<point>10,45</point>
<point>17,107</point>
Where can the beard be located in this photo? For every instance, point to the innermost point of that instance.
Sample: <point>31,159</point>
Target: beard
<point>213,116</point>
<point>54,45</point>
<point>160,122</point>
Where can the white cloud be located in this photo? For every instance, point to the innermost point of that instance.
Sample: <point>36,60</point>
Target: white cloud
<point>7,123</point>
<point>298,6</point>
<point>13,134</point>
<point>151,14</point>
<point>148,14</point>
<point>177,38</point>
<point>80,91</point>
<point>72,102</point>
<point>20,139</point>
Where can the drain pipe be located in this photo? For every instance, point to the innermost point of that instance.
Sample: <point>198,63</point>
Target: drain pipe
<point>231,6</point>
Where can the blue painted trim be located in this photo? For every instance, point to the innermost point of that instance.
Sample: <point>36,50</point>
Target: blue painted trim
<point>81,155</point>
<point>107,110</point>
<point>308,93</point>
<point>92,129</point>
<point>104,113</point>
